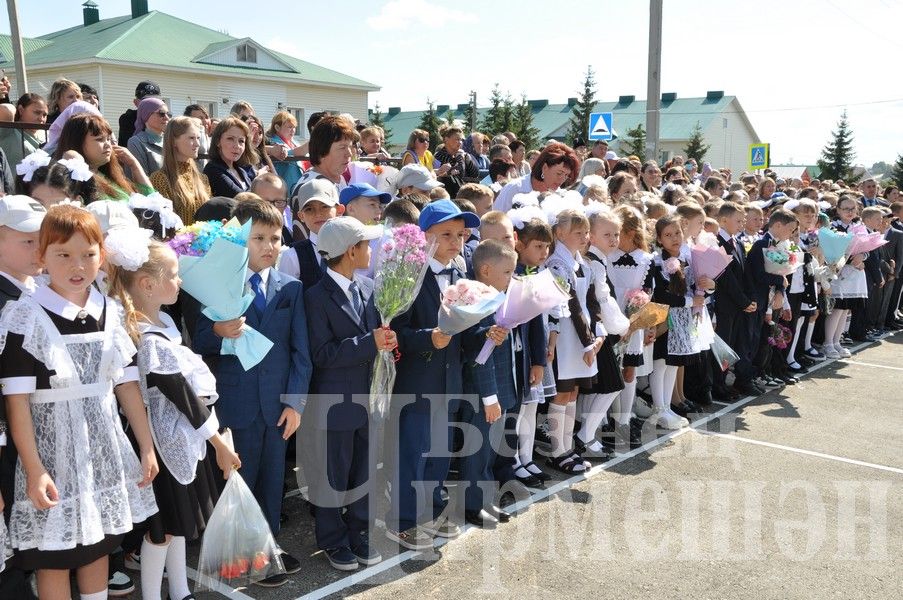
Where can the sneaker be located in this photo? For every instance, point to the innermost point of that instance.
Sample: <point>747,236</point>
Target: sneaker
<point>830,353</point>
<point>641,408</point>
<point>441,527</point>
<point>815,354</point>
<point>844,353</point>
<point>366,554</point>
<point>666,419</point>
<point>119,585</point>
<point>342,558</point>
<point>292,565</point>
<point>542,435</point>
<point>132,561</point>
<point>412,539</point>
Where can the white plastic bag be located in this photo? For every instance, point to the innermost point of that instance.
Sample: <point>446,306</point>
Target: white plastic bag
<point>238,548</point>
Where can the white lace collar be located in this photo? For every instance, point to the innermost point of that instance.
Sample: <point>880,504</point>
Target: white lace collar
<point>169,329</point>
<point>56,304</point>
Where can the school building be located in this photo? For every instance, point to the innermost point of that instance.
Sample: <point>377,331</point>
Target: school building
<point>722,119</point>
<point>191,63</point>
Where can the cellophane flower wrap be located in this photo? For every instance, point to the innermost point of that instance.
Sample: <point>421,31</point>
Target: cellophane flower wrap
<point>528,296</point>
<point>779,336</point>
<point>864,241</point>
<point>465,304</point>
<point>213,262</point>
<point>834,245</point>
<point>783,258</point>
<point>401,262</point>
<point>238,548</point>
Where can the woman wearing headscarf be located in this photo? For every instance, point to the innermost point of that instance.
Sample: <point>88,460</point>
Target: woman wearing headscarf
<point>147,143</point>
<point>76,108</point>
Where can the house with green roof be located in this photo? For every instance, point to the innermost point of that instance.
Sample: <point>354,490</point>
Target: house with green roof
<point>722,119</point>
<point>191,63</point>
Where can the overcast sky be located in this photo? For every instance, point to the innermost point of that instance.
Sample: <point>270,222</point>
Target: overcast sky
<point>793,64</point>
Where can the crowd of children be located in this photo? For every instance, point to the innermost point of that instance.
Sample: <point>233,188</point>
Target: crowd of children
<point>95,330</point>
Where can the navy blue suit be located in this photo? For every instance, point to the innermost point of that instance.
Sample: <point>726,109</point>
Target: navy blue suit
<point>312,269</point>
<point>335,436</point>
<point>758,281</point>
<point>428,389</point>
<point>251,402</point>
<point>224,183</point>
<point>731,300</point>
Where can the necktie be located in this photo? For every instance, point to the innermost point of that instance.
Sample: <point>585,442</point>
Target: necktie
<point>356,303</point>
<point>260,299</point>
<point>451,272</point>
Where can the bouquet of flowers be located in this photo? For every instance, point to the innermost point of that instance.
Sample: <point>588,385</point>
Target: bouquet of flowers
<point>527,297</point>
<point>643,313</point>
<point>466,303</point>
<point>783,258</point>
<point>401,262</point>
<point>213,262</point>
<point>863,241</point>
<point>834,245</point>
<point>708,260</point>
<point>723,353</point>
<point>779,336</point>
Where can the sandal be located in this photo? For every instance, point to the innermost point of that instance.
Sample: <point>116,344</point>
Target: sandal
<point>566,464</point>
<point>536,471</point>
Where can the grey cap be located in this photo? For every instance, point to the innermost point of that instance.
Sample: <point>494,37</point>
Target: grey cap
<point>318,189</point>
<point>418,176</point>
<point>21,213</point>
<point>340,233</point>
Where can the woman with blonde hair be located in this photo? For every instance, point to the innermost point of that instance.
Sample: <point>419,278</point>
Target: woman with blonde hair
<point>179,179</point>
<point>418,150</point>
<point>62,93</point>
<point>282,133</point>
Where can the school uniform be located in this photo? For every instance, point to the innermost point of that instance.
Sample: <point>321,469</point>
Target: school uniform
<point>335,434</point>
<point>251,402</point>
<point>758,283</point>
<point>302,261</point>
<point>891,300</point>
<point>860,322</point>
<point>731,301</point>
<point>428,388</point>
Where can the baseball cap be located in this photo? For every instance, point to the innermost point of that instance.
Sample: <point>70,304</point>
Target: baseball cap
<point>611,155</point>
<point>441,211</point>
<point>147,88</point>
<point>21,213</point>
<point>112,214</point>
<point>340,233</point>
<point>318,189</point>
<point>418,176</point>
<point>356,190</point>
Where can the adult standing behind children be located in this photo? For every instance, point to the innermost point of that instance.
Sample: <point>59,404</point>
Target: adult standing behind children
<point>179,178</point>
<point>147,143</point>
<point>231,157</point>
<point>263,405</point>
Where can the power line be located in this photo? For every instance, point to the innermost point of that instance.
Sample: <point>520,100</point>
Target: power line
<point>765,110</point>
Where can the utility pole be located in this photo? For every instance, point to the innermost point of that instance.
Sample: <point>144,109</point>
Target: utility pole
<point>16,40</point>
<point>473,112</point>
<point>654,85</point>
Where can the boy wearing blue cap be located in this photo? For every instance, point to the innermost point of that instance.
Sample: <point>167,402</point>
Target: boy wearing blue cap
<point>428,388</point>
<point>364,202</point>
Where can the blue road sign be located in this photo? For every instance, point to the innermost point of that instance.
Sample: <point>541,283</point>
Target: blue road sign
<point>600,126</point>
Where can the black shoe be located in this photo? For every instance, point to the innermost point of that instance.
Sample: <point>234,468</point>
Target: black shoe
<point>788,379</point>
<point>748,389</point>
<point>342,558</point>
<point>482,519</point>
<point>797,368</point>
<point>703,400</point>
<point>273,581</point>
<point>542,476</point>
<point>683,409</point>
<point>365,554</point>
<point>531,482</point>
<point>499,513</point>
<point>292,565</point>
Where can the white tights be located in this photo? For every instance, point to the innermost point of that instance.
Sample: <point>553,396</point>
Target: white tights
<point>661,382</point>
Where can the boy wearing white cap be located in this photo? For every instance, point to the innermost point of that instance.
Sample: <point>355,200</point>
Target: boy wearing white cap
<point>20,222</point>
<point>318,202</point>
<point>345,335</point>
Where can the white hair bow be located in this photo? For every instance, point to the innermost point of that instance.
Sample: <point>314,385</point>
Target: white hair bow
<point>78,168</point>
<point>32,163</point>
<point>523,215</point>
<point>128,247</point>
<point>157,203</point>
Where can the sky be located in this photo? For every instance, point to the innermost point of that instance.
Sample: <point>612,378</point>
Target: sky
<point>794,65</point>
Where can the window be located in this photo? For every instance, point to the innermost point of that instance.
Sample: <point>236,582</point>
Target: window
<point>301,129</point>
<point>246,53</point>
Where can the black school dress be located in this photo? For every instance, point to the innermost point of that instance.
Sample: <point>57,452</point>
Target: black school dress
<point>178,389</point>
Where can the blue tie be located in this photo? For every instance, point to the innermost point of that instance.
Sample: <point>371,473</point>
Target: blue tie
<point>356,303</point>
<point>260,299</point>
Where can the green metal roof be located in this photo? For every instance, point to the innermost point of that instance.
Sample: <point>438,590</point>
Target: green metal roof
<point>678,117</point>
<point>160,39</point>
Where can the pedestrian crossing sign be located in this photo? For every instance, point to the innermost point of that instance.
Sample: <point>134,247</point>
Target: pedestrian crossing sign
<point>600,126</point>
<point>758,156</point>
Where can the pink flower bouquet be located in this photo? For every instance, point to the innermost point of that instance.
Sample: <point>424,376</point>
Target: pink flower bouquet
<point>863,241</point>
<point>465,304</point>
<point>783,258</point>
<point>401,262</point>
<point>527,297</point>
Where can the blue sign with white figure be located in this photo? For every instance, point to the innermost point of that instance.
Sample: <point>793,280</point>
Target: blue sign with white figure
<point>600,126</point>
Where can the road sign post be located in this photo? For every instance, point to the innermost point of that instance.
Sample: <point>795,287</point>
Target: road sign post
<point>758,157</point>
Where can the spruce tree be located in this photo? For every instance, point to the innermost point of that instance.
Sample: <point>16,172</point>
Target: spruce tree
<point>376,119</point>
<point>896,172</point>
<point>836,160</point>
<point>635,142</point>
<point>430,123</point>
<point>471,117</point>
<point>579,123</point>
<point>493,117</point>
<point>696,146</point>
<point>522,125</point>
<point>450,117</point>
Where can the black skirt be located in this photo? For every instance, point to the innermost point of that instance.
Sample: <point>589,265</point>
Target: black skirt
<point>80,556</point>
<point>185,509</point>
<point>609,378</point>
<point>632,360</point>
<point>849,303</point>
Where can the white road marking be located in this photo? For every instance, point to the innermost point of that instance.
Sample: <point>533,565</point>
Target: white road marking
<point>865,364</point>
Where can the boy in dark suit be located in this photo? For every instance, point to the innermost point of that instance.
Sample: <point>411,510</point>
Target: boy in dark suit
<point>319,201</point>
<point>345,335</point>
<point>20,223</point>
<point>428,390</point>
<point>731,300</point>
<point>491,391</point>
<point>759,283</point>
<point>263,405</point>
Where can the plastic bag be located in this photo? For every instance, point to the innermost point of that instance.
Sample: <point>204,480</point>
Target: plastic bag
<point>723,353</point>
<point>238,548</point>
